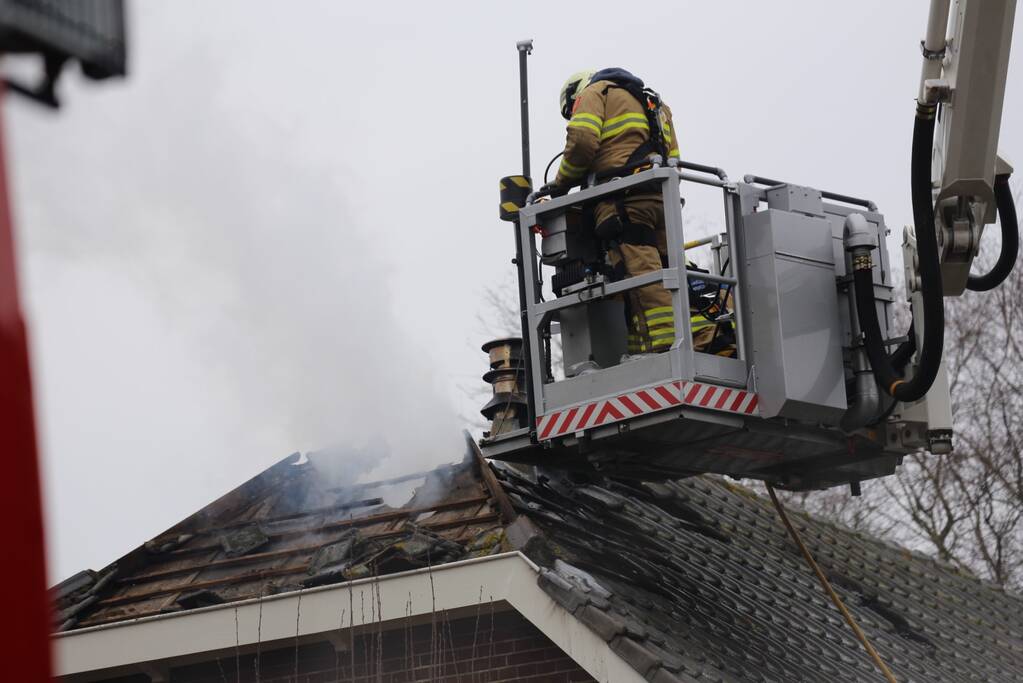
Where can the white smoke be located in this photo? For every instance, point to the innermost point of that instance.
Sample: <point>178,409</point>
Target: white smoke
<point>203,302</point>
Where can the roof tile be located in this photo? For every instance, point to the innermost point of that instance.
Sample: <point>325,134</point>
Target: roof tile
<point>689,580</point>
<point>743,604</point>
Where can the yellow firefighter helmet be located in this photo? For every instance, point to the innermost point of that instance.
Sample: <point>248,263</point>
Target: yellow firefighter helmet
<point>573,86</point>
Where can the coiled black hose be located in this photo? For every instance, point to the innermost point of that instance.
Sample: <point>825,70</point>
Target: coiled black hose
<point>1010,240</point>
<point>933,341</point>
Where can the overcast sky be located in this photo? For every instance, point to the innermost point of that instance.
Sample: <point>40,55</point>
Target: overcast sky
<point>275,235</point>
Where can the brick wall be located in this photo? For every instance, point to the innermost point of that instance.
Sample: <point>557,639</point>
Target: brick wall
<point>492,647</point>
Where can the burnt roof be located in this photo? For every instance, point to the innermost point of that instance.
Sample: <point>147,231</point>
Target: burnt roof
<point>291,527</point>
<point>688,580</point>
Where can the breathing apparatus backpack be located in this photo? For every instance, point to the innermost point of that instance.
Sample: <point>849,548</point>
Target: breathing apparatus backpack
<point>650,101</point>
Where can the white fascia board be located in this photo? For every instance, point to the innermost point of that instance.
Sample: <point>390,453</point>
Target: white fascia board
<point>508,577</point>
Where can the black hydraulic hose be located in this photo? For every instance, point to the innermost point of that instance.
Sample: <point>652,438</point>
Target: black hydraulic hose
<point>899,358</point>
<point>863,286</point>
<point>933,341</point>
<point>1010,240</point>
<point>905,351</point>
<point>550,163</point>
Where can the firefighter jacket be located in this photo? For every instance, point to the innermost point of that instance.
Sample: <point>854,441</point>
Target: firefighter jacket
<point>607,126</point>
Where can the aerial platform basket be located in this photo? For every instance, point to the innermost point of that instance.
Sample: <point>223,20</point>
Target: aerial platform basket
<point>792,406</point>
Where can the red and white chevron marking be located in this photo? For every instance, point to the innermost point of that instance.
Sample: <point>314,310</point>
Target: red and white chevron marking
<point>642,402</point>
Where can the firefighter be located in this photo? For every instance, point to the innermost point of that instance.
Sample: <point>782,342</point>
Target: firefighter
<point>609,128</point>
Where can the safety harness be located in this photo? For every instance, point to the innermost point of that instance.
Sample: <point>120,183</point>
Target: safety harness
<point>620,228</point>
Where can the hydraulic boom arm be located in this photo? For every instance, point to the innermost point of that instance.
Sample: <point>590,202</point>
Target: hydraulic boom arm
<point>958,182</point>
<point>965,76</point>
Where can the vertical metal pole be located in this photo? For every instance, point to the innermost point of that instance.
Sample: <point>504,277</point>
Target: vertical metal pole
<point>525,47</point>
<point>733,213</point>
<point>933,42</point>
<point>683,363</point>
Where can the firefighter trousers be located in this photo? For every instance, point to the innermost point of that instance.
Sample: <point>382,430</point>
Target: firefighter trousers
<point>650,319</point>
<point>651,323</point>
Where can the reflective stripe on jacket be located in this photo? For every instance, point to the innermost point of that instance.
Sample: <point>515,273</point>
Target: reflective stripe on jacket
<point>606,127</point>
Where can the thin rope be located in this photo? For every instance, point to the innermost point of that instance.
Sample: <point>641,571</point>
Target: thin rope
<point>860,635</point>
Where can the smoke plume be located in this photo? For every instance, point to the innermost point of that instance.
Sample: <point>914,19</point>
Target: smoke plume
<point>202,302</point>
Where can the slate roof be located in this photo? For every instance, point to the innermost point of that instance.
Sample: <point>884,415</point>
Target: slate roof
<point>693,580</point>
<point>698,580</point>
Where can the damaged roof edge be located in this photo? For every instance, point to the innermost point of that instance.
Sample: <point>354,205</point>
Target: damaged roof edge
<point>187,526</point>
<point>508,577</point>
